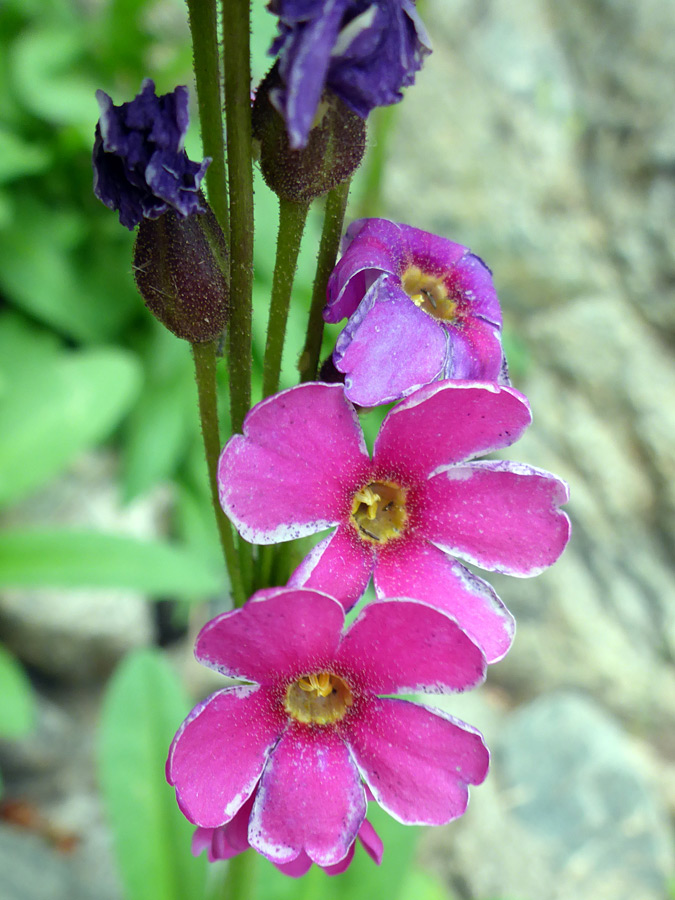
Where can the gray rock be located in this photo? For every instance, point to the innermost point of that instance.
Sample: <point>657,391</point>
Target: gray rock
<point>80,634</point>
<point>570,809</point>
<point>31,870</point>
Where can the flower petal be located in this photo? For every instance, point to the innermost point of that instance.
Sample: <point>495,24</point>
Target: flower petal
<point>220,750</point>
<point>371,247</point>
<point>448,422</point>
<point>310,799</point>
<point>417,763</point>
<point>389,347</point>
<point>425,573</point>
<point>502,515</point>
<point>401,646</point>
<point>294,469</point>
<point>245,643</point>
<point>340,565</point>
<point>297,867</point>
<point>371,841</point>
<point>343,865</point>
<point>476,351</point>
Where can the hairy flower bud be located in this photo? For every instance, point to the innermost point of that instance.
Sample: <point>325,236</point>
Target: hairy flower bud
<point>334,148</point>
<point>179,266</point>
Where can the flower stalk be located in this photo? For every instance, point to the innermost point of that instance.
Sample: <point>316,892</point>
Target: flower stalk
<point>334,214</point>
<point>203,27</point>
<point>204,355</point>
<point>292,218</point>
<point>237,68</point>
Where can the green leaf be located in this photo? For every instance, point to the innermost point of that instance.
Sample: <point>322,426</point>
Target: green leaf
<point>17,703</point>
<point>143,707</point>
<point>57,409</point>
<point>17,157</point>
<point>96,560</point>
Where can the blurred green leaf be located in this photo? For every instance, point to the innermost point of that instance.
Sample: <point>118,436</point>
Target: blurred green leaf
<point>45,270</point>
<point>92,559</point>
<point>17,703</point>
<point>56,410</point>
<point>159,430</point>
<point>18,157</point>
<point>143,707</point>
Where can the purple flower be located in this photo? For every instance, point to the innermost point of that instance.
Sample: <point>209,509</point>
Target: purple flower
<point>421,308</point>
<point>140,166</point>
<point>301,466</point>
<point>232,839</point>
<point>363,50</point>
<point>312,725</point>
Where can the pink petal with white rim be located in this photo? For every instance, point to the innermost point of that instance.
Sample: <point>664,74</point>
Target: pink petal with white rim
<point>343,865</point>
<point>424,572</point>
<point>371,842</point>
<point>279,634</point>
<point>416,761</point>
<point>220,750</point>
<point>402,646</point>
<point>373,246</point>
<point>389,347</point>
<point>340,565</point>
<point>448,422</point>
<point>295,467</point>
<point>502,516</point>
<point>310,799</point>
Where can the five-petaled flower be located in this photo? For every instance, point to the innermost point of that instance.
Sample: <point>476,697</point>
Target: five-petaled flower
<point>301,466</point>
<point>312,725</point>
<point>140,166</point>
<point>365,51</point>
<point>232,839</point>
<point>420,307</point>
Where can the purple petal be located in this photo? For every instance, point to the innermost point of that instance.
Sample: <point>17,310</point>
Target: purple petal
<point>389,347</point>
<point>424,572</point>
<point>245,643</point>
<point>310,799</point>
<point>295,468</point>
<point>449,422</point>
<point>220,750</point>
<point>340,565</point>
<point>372,247</point>
<point>502,516</point>
<point>476,352</point>
<point>401,646</point>
<point>417,763</point>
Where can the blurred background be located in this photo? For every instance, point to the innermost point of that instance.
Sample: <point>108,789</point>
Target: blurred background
<point>541,135</point>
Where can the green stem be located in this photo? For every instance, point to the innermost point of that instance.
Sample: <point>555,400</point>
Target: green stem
<point>237,68</point>
<point>379,131</point>
<point>240,877</point>
<point>204,355</point>
<point>334,215</point>
<point>203,25</point>
<point>292,218</point>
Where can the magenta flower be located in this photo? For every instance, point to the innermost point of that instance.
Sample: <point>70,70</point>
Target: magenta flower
<point>311,727</point>
<point>421,308</point>
<point>301,466</point>
<point>232,839</point>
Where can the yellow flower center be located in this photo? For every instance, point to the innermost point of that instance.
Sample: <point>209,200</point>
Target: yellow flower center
<point>318,699</point>
<point>429,293</point>
<point>378,512</point>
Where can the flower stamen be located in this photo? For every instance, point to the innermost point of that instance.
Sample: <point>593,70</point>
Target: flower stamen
<point>378,512</point>
<point>318,699</point>
<point>429,293</point>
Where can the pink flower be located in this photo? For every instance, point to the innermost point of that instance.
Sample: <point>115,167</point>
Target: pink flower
<point>420,308</point>
<point>301,466</point>
<point>232,839</point>
<point>312,723</point>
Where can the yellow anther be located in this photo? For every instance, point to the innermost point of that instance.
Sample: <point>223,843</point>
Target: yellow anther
<point>319,698</point>
<point>370,499</point>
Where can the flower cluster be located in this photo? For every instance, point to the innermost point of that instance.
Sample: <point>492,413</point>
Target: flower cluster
<point>286,759</point>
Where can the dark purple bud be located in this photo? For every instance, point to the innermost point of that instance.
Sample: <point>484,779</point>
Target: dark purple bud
<point>179,266</point>
<point>140,166</point>
<point>363,50</point>
<point>333,151</point>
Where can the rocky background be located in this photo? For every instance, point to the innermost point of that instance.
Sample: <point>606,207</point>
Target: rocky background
<point>542,135</point>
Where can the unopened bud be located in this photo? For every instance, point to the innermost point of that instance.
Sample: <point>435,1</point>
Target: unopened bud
<point>180,267</point>
<point>334,149</point>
